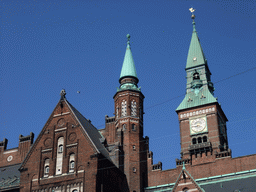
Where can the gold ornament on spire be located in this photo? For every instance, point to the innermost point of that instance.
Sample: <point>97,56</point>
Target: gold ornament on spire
<point>192,10</point>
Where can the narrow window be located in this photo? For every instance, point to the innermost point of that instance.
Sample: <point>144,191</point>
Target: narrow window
<point>133,127</point>
<point>134,170</point>
<point>133,147</point>
<point>72,162</point>
<point>60,149</point>
<point>133,108</point>
<point>72,165</point>
<point>194,141</point>
<point>124,112</point>
<point>46,167</point>
<point>199,139</point>
<point>116,112</point>
<point>204,139</point>
<point>124,126</point>
<point>59,159</point>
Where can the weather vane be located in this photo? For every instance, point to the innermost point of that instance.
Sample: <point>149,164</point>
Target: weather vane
<point>192,10</point>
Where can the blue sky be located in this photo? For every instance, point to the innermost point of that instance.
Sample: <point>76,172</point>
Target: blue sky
<point>47,45</point>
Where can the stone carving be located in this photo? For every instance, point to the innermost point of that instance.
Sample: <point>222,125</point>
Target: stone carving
<point>72,136</point>
<point>197,112</point>
<point>47,142</point>
<point>133,108</point>
<point>61,122</point>
<point>124,110</point>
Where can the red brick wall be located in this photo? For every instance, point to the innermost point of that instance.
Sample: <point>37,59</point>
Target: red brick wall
<point>47,140</point>
<point>218,167</point>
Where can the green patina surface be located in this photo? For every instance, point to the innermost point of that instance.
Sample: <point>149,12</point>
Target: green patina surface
<point>128,68</point>
<point>197,97</point>
<point>195,54</point>
<point>199,90</point>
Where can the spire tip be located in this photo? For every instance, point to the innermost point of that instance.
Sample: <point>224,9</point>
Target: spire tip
<point>128,38</point>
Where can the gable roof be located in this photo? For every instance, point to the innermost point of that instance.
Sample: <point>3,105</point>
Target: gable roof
<point>87,127</point>
<point>92,132</point>
<point>185,173</point>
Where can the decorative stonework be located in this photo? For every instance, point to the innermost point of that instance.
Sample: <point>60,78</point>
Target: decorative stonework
<point>124,108</point>
<point>47,142</point>
<point>135,121</point>
<point>61,122</point>
<point>123,121</point>
<point>72,136</point>
<point>133,108</point>
<point>200,112</point>
<point>10,158</point>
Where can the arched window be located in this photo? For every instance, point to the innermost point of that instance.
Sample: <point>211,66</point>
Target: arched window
<point>124,111</point>
<point>196,76</point>
<point>46,167</point>
<point>60,148</point>
<point>194,141</point>
<point>124,126</point>
<point>185,190</point>
<point>72,162</point>
<point>204,139</point>
<point>59,159</point>
<point>133,108</point>
<point>75,190</point>
<point>199,140</point>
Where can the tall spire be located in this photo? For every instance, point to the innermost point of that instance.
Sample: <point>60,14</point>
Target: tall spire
<point>128,77</point>
<point>195,54</point>
<point>199,90</point>
<point>128,69</point>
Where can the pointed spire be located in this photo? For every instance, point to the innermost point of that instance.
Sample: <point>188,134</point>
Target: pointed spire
<point>128,69</point>
<point>195,54</point>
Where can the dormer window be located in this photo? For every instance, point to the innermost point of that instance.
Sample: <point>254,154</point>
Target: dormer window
<point>60,150</point>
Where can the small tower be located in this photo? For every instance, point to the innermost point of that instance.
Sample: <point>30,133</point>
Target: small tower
<point>129,123</point>
<point>202,121</point>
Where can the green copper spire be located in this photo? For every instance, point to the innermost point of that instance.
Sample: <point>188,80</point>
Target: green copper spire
<point>199,90</point>
<point>195,53</point>
<point>128,78</point>
<point>128,69</point>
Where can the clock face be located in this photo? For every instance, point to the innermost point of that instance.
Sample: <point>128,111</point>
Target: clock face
<point>198,125</point>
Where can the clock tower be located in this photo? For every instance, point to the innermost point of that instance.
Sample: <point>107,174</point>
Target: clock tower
<point>203,131</point>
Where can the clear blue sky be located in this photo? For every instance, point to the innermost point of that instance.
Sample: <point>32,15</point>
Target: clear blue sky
<point>47,45</point>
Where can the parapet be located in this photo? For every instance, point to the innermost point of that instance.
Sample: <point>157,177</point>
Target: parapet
<point>27,138</point>
<point>4,143</point>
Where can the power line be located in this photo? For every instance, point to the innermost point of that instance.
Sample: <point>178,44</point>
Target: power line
<point>152,106</point>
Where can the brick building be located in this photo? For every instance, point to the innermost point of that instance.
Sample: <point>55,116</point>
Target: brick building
<point>71,155</point>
